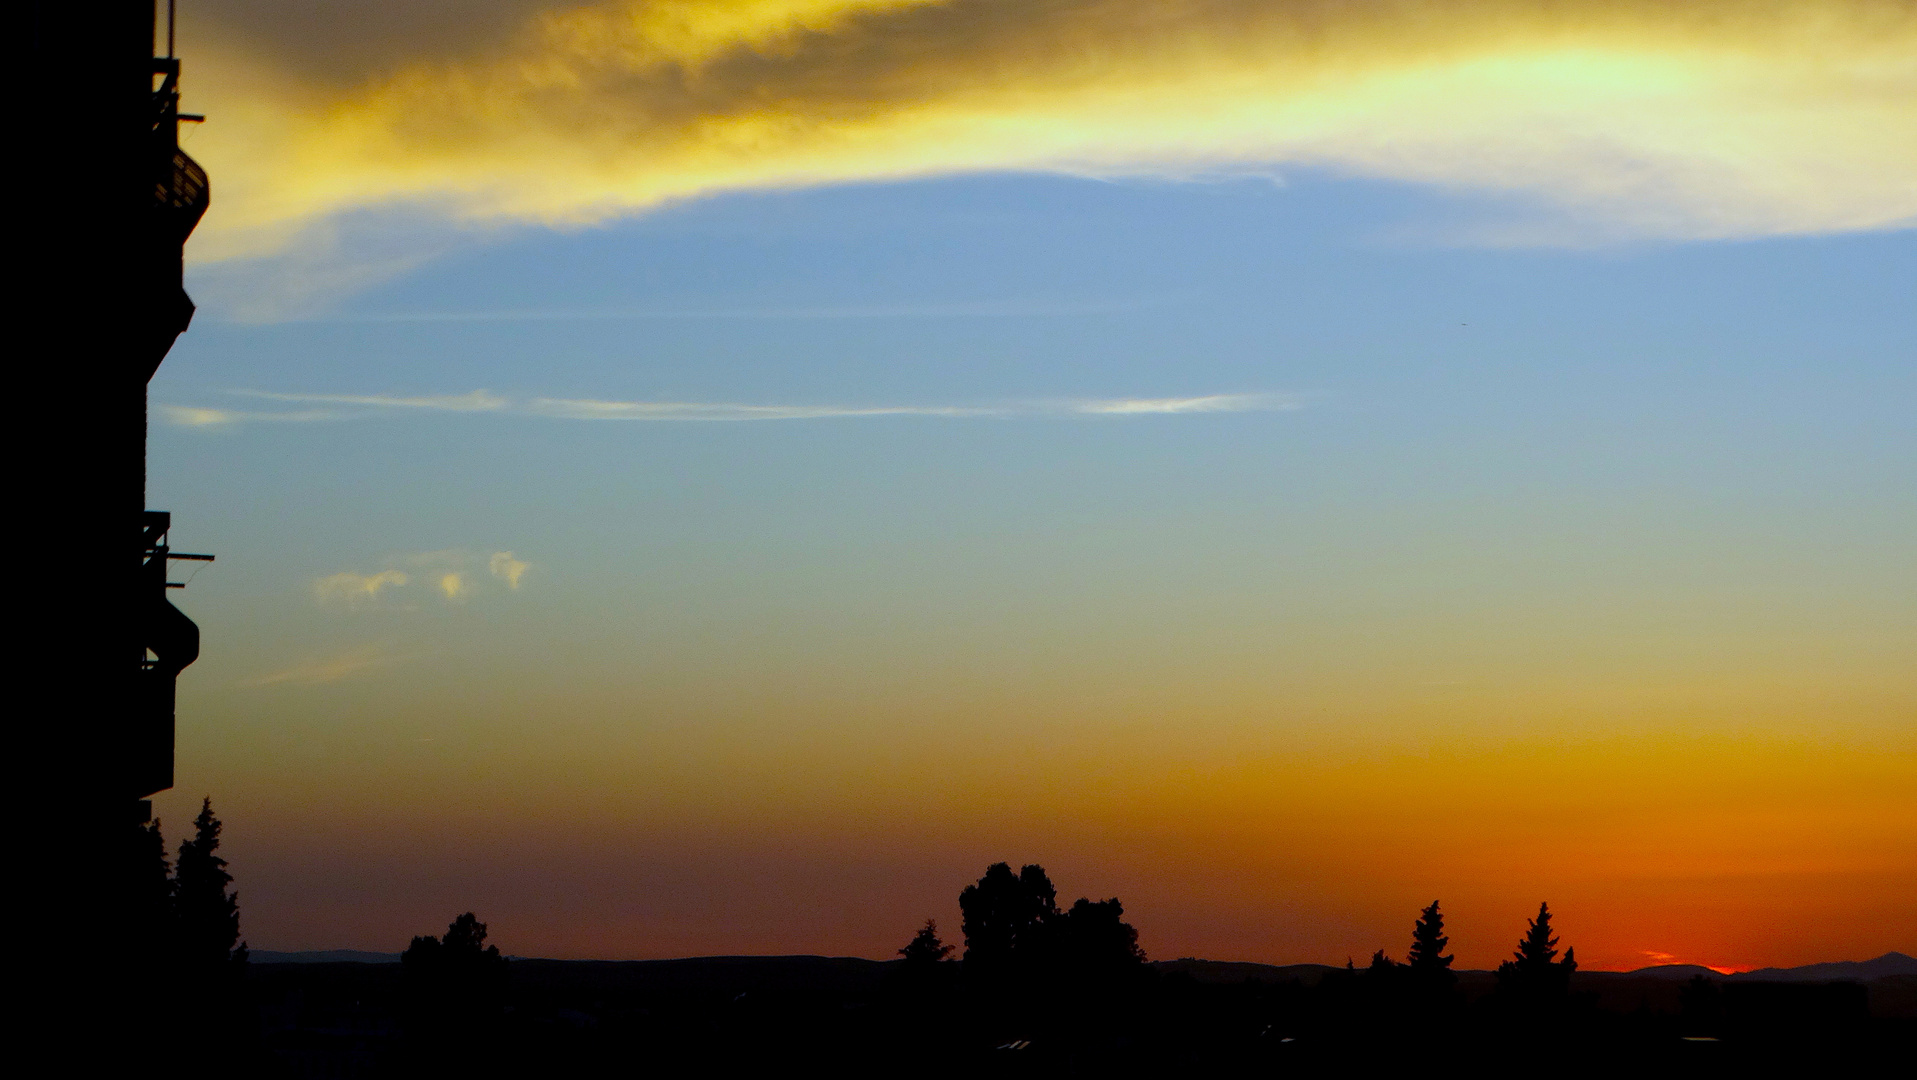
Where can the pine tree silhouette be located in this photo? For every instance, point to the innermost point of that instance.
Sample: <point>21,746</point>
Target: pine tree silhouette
<point>925,948</point>
<point>1427,959</point>
<point>1534,974</point>
<point>207,916</point>
<point>1539,947</point>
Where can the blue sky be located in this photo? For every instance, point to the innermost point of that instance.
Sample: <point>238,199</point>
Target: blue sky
<point>1699,378</point>
<point>1187,486</point>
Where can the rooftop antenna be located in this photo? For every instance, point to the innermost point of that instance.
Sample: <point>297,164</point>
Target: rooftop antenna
<point>169,66</point>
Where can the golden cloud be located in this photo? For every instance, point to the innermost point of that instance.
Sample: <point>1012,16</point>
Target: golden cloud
<point>1711,118</point>
<point>506,568</point>
<point>454,573</point>
<point>351,588</point>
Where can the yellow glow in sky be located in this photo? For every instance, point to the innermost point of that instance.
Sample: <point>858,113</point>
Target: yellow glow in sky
<point>1716,118</point>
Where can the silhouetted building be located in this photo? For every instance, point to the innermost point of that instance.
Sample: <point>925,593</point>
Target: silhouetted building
<point>105,204</point>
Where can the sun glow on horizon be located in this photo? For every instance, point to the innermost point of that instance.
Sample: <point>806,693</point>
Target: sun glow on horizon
<point>1664,959</point>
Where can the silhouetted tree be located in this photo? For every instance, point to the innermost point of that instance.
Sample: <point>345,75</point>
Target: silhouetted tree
<point>1094,939</point>
<point>1382,993</point>
<point>460,958</point>
<point>206,914</point>
<point>1427,960</point>
<point>1005,917</point>
<point>925,949</point>
<point>152,899</point>
<point>1539,947</point>
<point>924,972</point>
<point>455,986</point>
<point>1534,974</point>
<point>456,981</point>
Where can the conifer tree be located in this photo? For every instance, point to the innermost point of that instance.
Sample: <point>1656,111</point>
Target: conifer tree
<point>1534,971</point>
<point>1427,959</point>
<point>207,916</point>
<point>1538,947</point>
<point>925,948</point>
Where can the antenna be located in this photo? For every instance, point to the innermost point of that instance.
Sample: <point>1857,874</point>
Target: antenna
<point>169,29</point>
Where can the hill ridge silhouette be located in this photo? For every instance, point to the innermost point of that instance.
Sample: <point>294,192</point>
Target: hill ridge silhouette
<point>1889,964</point>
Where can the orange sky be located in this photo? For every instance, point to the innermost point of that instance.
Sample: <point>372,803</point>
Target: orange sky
<point>710,477</point>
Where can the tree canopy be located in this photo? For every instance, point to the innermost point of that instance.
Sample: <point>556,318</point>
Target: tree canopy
<point>1005,915</point>
<point>207,915</point>
<point>1534,973</point>
<point>1013,923</point>
<point>925,948</point>
<point>1427,958</point>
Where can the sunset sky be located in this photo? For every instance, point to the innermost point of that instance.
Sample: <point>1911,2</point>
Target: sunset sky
<point>699,477</point>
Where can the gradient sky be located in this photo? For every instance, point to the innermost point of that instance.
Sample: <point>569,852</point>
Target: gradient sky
<point>708,478</point>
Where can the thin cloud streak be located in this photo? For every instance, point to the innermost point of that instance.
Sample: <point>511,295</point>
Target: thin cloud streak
<point>717,411</point>
<point>723,412</point>
<point>476,401</point>
<point>1210,403</point>
<point>197,416</point>
<point>320,671</point>
<point>981,309</point>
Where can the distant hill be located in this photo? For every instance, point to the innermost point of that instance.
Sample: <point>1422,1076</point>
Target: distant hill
<point>1677,972</point>
<point>1891,963</point>
<point>793,970</point>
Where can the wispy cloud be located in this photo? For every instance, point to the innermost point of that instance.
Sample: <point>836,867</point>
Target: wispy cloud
<point>1210,403</point>
<point>474,401</point>
<point>367,405</point>
<point>316,671</point>
<point>982,309</point>
<point>455,575</point>
<point>578,409</point>
<point>200,416</point>
<point>506,568</point>
<point>352,588</point>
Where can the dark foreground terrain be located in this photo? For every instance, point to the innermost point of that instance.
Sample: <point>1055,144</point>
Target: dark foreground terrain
<point>727,1015</point>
